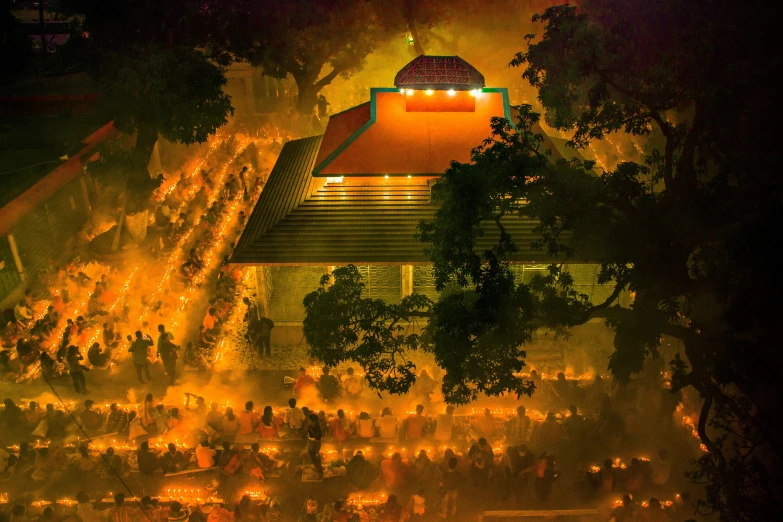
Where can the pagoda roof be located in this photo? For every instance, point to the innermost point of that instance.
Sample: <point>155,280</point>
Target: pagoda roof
<point>439,73</point>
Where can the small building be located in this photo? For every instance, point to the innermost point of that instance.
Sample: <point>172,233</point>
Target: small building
<point>356,193</point>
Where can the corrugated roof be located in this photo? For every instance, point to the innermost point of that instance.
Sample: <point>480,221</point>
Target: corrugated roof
<point>350,222</point>
<point>289,184</point>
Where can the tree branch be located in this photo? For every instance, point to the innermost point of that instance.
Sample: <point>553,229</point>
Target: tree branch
<point>668,151</point>
<point>326,80</point>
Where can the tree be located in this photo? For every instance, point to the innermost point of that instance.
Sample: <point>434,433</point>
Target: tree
<point>154,74</point>
<point>412,14</point>
<point>689,232</point>
<point>300,38</point>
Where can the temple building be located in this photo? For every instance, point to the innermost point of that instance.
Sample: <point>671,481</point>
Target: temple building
<point>356,193</point>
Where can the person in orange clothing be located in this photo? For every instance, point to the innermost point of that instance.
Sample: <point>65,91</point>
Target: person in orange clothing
<point>395,472</point>
<point>341,427</point>
<point>248,420</point>
<point>415,424</point>
<point>269,424</point>
<point>210,320</point>
<point>486,425</point>
<point>303,382</point>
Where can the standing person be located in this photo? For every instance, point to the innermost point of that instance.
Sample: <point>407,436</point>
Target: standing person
<point>449,485</point>
<point>243,182</point>
<point>248,420</point>
<point>322,106</point>
<point>260,330</point>
<point>314,443</point>
<point>167,351</point>
<point>140,349</point>
<point>518,427</point>
<point>252,309</point>
<point>77,369</point>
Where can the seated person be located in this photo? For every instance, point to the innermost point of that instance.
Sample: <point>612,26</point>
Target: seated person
<point>205,455</point>
<point>22,313</point>
<point>117,421</point>
<point>173,460</point>
<point>364,426</point>
<point>92,420</point>
<point>328,385</point>
<point>97,357</point>
<point>148,460</point>
<point>387,424</point>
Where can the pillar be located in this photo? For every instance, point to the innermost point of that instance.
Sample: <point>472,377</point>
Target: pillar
<point>17,259</point>
<point>262,295</point>
<point>406,288</point>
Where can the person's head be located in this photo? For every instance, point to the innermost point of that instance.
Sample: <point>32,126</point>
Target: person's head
<point>521,411</point>
<point>561,376</point>
<point>292,403</point>
<point>175,412</point>
<point>73,350</point>
<point>138,334</point>
<point>254,447</point>
<point>246,301</point>
<point>109,452</point>
<point>69,321</point>
<point>172,447</point>
<point>213,406</point>
<point>340,414</point>
<point>212,311</point>
<point>249,406</point>
<point>325,370</point>
<point>572,410</point>
<point>200,400</point>
<point>482,441</point>
<point>175,507</point>
<point>230,413</point>
<point>34,405</point>
<point>145,446</point>
<point>396,457</point>
<point>302,372</point>
<point>226,446</point>
<point>161,328</point>
<point>119,499</point>
<point>423,455</point>
<point>627,500</point>
<point>364,415</point>
<point>349,371</point>
<point>392,500</point>
<point>148,398</point>
<point>95,347</point>
<point>21,302</point>
<point>386,411</point>
<point>50,407</point>
<point>88,404</point>
<point>338,506</point>
<point>608,464</point>
<point>82,497</point>
<point>267,414</point>
<point>655,503</point>
<point>419,409</point>
<point>83,451</point>
<point>114,407</point>
<point>453,463</point>
<point>205,443</point>
<point>450,409</point>
<point>146,502</point>
<point>159,408</point>
<point>47,513</point>
<point>551,417</point>
<point>129,338</point>
<point>448,455</point>
<point>313,418</point>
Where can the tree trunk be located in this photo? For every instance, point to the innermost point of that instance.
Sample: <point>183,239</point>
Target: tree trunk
<point>42,26</point>
<point>140,185</point>
<point>307,96</point>
<point>416,40</point>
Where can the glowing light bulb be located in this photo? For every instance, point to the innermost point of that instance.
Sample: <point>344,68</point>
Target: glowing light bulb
<point>429,92</point>
<point>409,92</point>
<point>386,176</point>
<point>409,176</point>
<point>452,92</point>
<point>402,91</point>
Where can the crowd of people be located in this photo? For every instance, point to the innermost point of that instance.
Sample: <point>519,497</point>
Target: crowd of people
<point>432,456</point>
